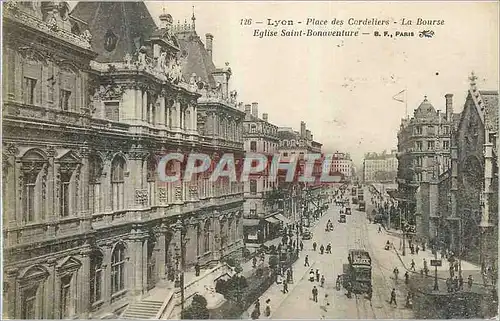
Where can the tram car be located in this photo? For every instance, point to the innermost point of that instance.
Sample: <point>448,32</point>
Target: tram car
<point>357,274</point>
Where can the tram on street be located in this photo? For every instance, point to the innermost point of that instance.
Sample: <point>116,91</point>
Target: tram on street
<point>357,276</point>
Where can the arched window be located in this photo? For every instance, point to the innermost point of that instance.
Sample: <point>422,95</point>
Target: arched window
<point>95,175</point>
<point>117,183</point>
<point>118,268</point>
<point>33,193</point>
<point>206,235</point>
<point>96,273</point>
<point>32,293</point>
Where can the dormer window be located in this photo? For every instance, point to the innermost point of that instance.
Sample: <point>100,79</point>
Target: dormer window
<point>110,40</point>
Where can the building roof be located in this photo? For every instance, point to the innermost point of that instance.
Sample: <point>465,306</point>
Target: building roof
<point>490,99</point>
<point>125,26</point>
<point>425,110</point>
<point>282,134</point>
<point>198,61</point>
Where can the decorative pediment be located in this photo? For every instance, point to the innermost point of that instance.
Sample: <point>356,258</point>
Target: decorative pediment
<point>34,272</point>
<point>69,157</point>
<point>34,155</point>
<point>68,264</point>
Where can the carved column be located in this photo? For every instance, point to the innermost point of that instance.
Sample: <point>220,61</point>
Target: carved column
<point>145,265</point>
<point>162,120</point>
<point>52,292</point>
<point>178,115</point>
<point>83,284</point>
<point>9,190</point>
<point>10,300</point>
<point>84,188</point>
<point>137,264</point>
<point>144,107</point>
<point>106,183</point>
<point>194,118</point>
<point>138,104</point>
<point>106,268</point>
<point>160,255</point>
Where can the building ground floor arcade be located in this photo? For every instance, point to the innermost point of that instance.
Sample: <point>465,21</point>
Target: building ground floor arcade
<point>92,274</point>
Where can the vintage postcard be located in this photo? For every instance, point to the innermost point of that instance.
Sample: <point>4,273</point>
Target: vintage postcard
<point>250,160</point>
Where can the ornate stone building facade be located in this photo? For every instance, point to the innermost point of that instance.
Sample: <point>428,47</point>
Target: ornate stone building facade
<point>260,216</point>
<point>88,111</point>
<point>423,153</point>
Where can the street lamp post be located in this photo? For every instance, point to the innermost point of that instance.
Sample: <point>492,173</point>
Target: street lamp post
<point>436,286</point>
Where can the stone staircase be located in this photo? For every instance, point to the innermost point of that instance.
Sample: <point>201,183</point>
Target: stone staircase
<point>145,309</point>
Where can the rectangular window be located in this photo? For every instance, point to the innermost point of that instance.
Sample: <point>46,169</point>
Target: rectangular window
<point>418,130</point>
<point>418,146</point>
<point>446,130</point>
<point>29,198</point>
<point>446,144</point>
<point>430,130</point>
<point>28,308</point>
<point>430,145</point>
<point>111,111</point>
<point>29,88</point>
<point>253,212</point>
<point>64,99</point>
<point>253,146</point>
<point>64,198</point>
<point>253,186</point>
<point>66,297</point>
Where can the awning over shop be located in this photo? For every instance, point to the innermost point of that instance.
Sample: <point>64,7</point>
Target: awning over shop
<point>272,220</point>
<point>282,218</point>
<point>250,222</point>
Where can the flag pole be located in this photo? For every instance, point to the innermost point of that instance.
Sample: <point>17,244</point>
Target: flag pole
<point>406,101</point>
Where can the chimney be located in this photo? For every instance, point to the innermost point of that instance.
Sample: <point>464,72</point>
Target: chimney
<point>247,109</point>
<point>308,134</point>
<point>255,109</point>
<point>210,39</point>
<point>449,106</point>
<point>302,129</point>
<point>312,137</point>
<point>264,116</point>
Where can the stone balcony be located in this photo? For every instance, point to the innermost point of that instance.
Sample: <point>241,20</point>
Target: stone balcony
<point>12,11</point>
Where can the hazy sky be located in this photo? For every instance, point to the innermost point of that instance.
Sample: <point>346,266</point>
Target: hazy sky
<point>343,87</point>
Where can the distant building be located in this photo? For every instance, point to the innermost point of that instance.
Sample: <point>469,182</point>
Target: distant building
<point>342,163</point>
<point>381,167</point>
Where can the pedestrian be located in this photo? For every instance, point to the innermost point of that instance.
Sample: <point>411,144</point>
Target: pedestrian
<point>449,285</point>
<point>285,287</point>
<point>455,284</point>
<point>254,262</point>
<point>470,281</point>
<point>460,283</point>
<point>456,266</point>
<point>314,246</point>
<point>329,248</point>
<point>380,229</point>
<point>407,277</point>
<point>306,261</point>
<point>325,303</point>
<point>417,249</point>
<point>452,272</point>
<point>317,275</point>
<point>425,267</point>
<point>268,308</point>
<point>412,265</point>
<point>315,294</point>
<point>323,281</point>
<point>393,297</point>
<point>322,249</point>
<point>301,246</point>
<point>257,308</point>
<point>197,269</point>
<point>396,273</point>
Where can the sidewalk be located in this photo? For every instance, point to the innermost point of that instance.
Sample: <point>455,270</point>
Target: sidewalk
<point>395,258</point>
